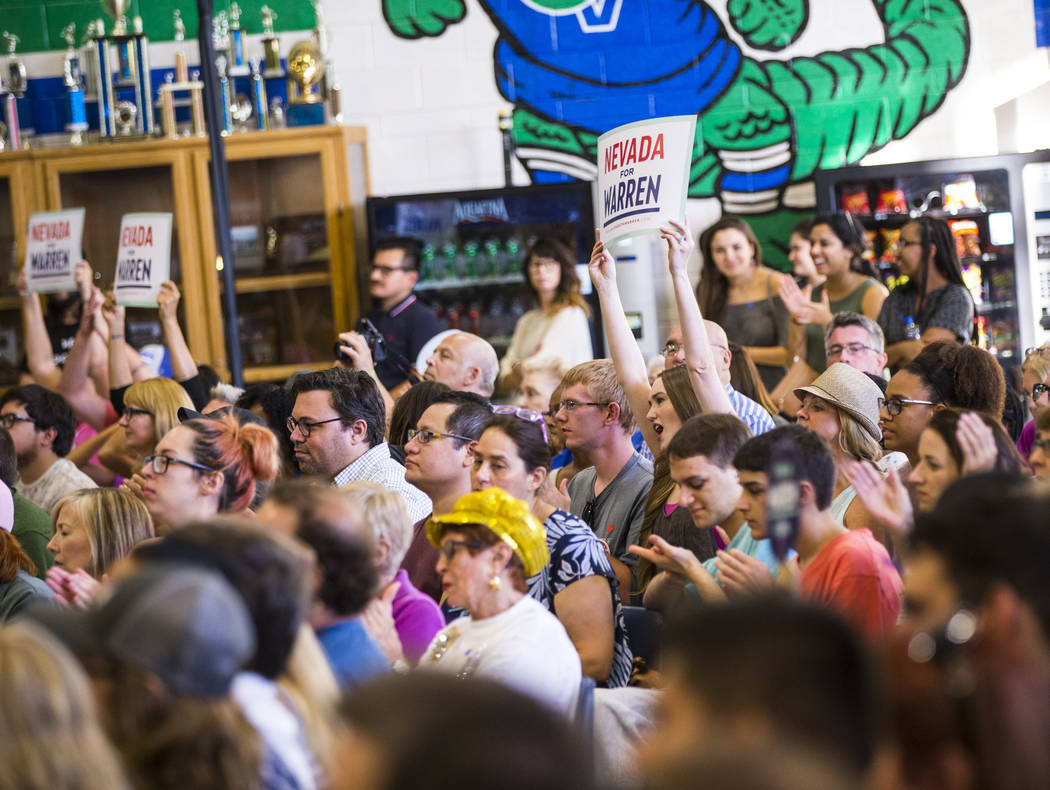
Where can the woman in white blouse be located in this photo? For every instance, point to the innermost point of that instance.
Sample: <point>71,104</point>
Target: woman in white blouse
<point>559,327</point>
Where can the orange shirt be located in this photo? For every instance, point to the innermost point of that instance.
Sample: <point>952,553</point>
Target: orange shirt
<point>855,576</point>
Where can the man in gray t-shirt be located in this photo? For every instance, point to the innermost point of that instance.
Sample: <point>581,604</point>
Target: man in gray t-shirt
<point>597,423</point>
<point>616,513</point>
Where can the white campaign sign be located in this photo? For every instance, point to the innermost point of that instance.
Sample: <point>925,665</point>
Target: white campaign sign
<point>643,175</point>
<point>53,249</point>
<point>143,258</point>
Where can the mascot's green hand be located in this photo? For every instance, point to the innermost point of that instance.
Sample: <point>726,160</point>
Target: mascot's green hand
<point>768,24</point>
<point>419,18</point>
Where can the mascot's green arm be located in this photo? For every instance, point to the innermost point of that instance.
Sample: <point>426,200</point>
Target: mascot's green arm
<point>419,18</point>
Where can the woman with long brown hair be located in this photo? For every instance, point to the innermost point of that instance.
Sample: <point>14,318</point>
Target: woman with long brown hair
<point>738,292</point>
<point>559,326</point>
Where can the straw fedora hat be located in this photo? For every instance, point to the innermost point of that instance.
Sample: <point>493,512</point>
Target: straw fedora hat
<point>852,391</point>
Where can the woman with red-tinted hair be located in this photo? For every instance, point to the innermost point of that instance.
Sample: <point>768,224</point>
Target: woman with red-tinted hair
<point>205,466</point>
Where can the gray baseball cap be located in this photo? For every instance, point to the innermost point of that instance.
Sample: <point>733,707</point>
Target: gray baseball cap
<point>186,625</point>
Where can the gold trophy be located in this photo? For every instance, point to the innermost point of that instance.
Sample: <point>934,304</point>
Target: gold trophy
<point>306,68</point>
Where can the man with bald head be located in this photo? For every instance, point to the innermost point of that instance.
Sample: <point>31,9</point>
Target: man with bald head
<point>464,362</point>
<point>754,416</point>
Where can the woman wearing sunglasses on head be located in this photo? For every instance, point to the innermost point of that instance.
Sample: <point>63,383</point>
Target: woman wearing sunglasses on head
<point>578,585</point>
<point>205,466</point>
<point>488,546</point>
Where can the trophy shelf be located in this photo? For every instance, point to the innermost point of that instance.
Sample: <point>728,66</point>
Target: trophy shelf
<point>294,194</point>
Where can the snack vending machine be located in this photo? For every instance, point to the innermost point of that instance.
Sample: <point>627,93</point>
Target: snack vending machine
<point>995,206</point>
<point>474,244</point>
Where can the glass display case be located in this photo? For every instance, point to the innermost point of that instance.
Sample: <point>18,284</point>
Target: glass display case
<point>134,177</point>
<point>17,202</point>
<point>293,194</point>
<point>293,253</point>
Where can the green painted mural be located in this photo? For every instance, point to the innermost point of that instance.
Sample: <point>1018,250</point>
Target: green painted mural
<point>39,24</point>
<point>576,68</point>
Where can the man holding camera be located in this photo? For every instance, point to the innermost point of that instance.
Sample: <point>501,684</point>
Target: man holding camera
<point>403,322</point>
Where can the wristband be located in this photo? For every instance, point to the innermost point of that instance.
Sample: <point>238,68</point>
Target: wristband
<point>116,337</point>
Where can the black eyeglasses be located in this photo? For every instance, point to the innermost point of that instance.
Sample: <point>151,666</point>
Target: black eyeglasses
<point>305,428</point>
<point>1037,391</point>
<point>528,415</point>
<point>131,411</point>
<point>853,348</point>
<point>894,406</point>
<point>573,405</point>
<point>1042,444</point>
<point>9,420</point>
<point>160,464</point>
<point>448,549</point>
<point>424,437</point>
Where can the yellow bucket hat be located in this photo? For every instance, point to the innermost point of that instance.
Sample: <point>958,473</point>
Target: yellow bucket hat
<point>505,515</point>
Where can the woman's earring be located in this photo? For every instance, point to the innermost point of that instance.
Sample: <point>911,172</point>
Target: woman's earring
<point>495,582</point>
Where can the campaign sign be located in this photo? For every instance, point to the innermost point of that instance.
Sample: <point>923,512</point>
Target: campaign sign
<point>53,250</point>
<point>643,175</point>
<point>143,258</point>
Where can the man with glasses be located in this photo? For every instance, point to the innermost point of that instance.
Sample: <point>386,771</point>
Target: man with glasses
<point>337,427</point>
<point>596,421</point>
<point>405,322</point>
<point>857,341</point>
<point>41,425</point>
<point>438,457</point>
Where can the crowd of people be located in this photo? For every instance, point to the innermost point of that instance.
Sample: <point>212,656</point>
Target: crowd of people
<point>817,529</point>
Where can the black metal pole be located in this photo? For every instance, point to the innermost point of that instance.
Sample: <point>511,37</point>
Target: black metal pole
<point>220,187</point>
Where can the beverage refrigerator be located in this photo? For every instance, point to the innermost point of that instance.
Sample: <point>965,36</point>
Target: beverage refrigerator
<point>474,242</point>
<point>998,208</point>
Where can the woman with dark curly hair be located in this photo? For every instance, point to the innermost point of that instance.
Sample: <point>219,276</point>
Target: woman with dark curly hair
<point>559,326</point>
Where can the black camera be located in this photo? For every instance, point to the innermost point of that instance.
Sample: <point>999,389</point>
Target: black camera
<point>374,338</point>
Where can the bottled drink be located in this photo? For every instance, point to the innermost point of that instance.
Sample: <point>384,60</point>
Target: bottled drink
<point>911,329</point>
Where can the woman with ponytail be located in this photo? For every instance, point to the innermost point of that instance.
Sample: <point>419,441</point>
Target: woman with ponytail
<point>205,466</point>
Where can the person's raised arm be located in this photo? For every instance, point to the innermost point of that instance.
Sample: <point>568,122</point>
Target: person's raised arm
<point>699,358</point>
<point>119,370</point>
<point>623,348</point>
<point>74,384</point>
<point>183,366</point>
<point>40,356</point>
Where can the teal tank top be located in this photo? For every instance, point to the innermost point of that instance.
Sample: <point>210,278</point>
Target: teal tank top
<point>851,303</point>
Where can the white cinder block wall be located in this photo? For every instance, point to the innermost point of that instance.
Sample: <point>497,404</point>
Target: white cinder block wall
<point>431,104</point>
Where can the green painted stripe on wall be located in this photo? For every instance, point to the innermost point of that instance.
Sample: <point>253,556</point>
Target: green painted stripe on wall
<point>39,24</point>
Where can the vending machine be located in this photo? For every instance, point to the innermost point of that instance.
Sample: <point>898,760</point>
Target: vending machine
<point>474,245</point>
<point>998,208</point>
